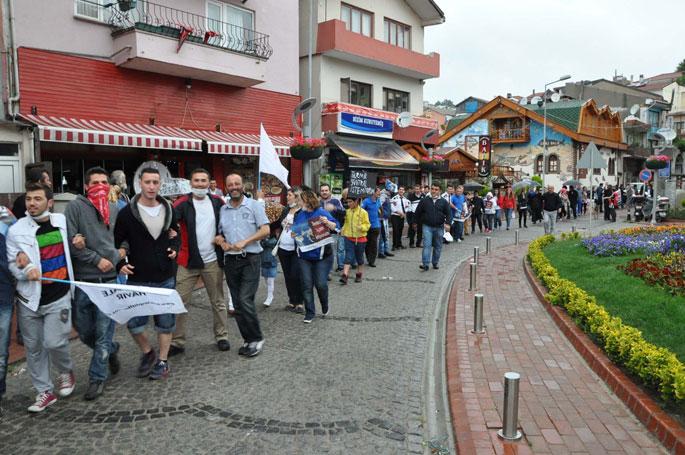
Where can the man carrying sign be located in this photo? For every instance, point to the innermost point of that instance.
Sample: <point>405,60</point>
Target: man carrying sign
<point>93,218</point>
<point>145,226</point>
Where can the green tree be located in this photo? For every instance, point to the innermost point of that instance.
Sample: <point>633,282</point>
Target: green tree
<point>681,66</point>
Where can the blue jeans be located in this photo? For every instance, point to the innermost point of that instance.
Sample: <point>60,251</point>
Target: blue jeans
<point>432,237</point>
<point>96,331</point>
<point>383,244</point>
<point>354,252</point>
<point>507,215</point>
<point>458,230</point>
<point>6,308</point>
<point>164,323</point>
<point>315,274</point>
<point>498,220</point>
<point>341,251</point>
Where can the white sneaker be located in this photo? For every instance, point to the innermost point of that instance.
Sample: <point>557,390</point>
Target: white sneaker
<point>65,384</point>
<point>268,301</point>
<point>43,400</point>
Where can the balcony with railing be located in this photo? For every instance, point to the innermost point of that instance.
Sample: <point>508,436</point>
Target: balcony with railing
<point>152,37</point>
<point>504,135</point>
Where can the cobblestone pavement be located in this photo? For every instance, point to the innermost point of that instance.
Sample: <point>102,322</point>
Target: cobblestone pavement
<point>564,407</point>
<point>350,383</point>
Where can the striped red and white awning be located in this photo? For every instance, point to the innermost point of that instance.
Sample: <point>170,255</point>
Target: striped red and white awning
<point>240,143</point>
<point>120,134</point>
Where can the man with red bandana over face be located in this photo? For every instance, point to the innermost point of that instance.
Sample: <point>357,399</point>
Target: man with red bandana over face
<point>91,220</point>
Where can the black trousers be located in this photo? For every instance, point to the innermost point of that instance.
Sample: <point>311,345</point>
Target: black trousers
<point>414,233</point>
<point>372,245</point>
<point>523,215</point>
<point>476,218</point>
<point>291,274</point>
<point>397,228</point>
<point>242,277</point>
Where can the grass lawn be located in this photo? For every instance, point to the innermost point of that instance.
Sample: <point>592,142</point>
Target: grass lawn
<point>659,315</point>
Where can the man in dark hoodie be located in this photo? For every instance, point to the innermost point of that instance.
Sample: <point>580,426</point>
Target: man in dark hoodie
<point>144,225</point>
<point>6,299</point>
<point>92,217</point>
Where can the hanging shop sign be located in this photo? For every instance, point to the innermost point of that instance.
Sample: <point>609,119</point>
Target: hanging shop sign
<point>484,156</point>
<point>364,125</point>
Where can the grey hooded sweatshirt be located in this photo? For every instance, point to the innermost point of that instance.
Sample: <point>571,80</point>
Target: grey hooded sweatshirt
<point>83,218</point>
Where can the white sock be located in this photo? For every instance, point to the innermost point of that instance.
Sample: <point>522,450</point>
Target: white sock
<point>270,282</point>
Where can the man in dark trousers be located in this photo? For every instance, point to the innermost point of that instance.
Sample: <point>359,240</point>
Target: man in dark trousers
<point>573,201</point>
<point>145,226</point>
<point>93,218</point>
<point>414,230</point>
<point>434,214</point>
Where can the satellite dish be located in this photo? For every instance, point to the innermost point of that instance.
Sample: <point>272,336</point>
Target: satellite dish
<point>523,101</point>
<point>634,109</point>
<point>536,100</point>
<point>649,101</point>
<point>555,97</point>
<point>301,108</point>
<point>404,119</point>
<point>667,133</point>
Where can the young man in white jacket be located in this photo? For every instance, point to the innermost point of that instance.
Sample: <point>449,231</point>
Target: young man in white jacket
<point>37,247</point>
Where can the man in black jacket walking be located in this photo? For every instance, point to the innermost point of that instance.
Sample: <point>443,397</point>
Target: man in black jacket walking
<point>145,226</point>
<point>551,203</point>
<point>433,212</point>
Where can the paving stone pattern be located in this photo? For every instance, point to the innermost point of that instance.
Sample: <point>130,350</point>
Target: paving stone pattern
<point>348,384</point>
<point>564,407</point>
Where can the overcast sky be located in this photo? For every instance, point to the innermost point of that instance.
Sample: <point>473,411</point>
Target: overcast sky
<point>492,47</point>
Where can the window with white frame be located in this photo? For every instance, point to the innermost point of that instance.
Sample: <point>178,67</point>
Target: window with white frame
<point>553,164</point>
<point>538,164</point>
<point>94,9</point>
<point>235,25</point>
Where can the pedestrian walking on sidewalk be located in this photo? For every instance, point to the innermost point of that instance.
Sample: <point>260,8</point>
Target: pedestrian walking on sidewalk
<point>38,247</point>
<point>434,214</point>
<point>477,207</point>
<point>93,218</point>
<point>490,211</point>
<point>145,226</point>
<point>354,231</point>
<point>400,208</point>
<point>414,231</point>
<point>314,263</point>
<point>507,201</point>
<point>372,205</point>
<point>551,203</point>
<point>199,257</point>
<point>243,223</point>
<point>457,201</point>
<point>335,208</point>
<point>274,213</point>
<point>522,206</point>
<point>287,254</point>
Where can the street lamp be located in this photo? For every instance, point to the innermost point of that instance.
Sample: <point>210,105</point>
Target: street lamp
<point>428,135</point>
<point>544,127</point>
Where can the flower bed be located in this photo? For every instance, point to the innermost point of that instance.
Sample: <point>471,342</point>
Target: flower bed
<point>655,366</point>
<point>664,270</point>
<point>647,241</point>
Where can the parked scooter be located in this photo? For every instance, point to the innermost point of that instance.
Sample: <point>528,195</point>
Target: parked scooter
<point>638,207</point>
<point>662,208</point>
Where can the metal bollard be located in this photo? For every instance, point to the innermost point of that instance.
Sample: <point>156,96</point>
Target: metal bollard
<point>473,280</point>
<point>516,237</point>
<point>476,253</point>
<point>510,413</point>
<point>488,245</point>
<point>573,228</point>
<point>478,314</point>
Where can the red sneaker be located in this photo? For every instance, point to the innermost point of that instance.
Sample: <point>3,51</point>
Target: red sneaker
<point>43,400</point>
<point>65,384</point>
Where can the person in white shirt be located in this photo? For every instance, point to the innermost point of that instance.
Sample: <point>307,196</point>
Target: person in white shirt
<point>213,189</point>
<point>400,206</point>
<point>199,256</point>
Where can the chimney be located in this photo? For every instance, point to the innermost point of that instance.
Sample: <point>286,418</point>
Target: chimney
<point>508,95</point>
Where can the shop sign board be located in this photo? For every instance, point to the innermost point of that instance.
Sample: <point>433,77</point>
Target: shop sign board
<point>364,125</point>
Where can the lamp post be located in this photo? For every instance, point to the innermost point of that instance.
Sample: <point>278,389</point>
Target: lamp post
<point>428,135</point>
<point>544,126</point>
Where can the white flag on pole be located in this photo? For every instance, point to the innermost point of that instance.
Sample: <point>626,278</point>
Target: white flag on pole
<point>122,302</point>
<point>268,158</point>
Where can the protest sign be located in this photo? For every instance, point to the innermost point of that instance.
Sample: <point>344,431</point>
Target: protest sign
<point>312,235</point>
<point>362,183</point>
<point>122,302</point>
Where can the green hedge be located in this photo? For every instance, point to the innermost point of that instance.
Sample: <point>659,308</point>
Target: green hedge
<point>657,367</point>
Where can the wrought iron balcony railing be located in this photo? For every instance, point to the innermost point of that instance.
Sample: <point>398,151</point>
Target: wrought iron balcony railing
<point>510,134</point>
<point>188,27</point>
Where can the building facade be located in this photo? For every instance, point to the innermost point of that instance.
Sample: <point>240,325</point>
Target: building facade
<point>186,83</point>
<point>369,65</point>
<point>518,137</point>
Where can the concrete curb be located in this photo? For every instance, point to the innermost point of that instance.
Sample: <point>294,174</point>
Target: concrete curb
<point>665,428</point>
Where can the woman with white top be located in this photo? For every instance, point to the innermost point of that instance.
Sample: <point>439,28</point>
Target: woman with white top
<point>287,254</point>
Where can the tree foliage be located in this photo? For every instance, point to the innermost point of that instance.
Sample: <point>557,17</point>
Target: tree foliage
<point>681,66</point>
